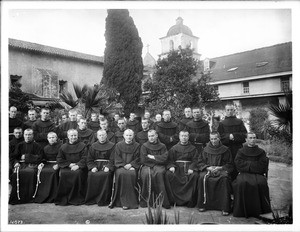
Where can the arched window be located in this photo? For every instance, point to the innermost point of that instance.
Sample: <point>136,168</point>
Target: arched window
<point>171,45</point>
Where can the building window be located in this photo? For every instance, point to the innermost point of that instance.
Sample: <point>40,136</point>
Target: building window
<point>62,86</point>
<point>45,83</point>
<point>171,45</point>
<point>216,88</point>
<point>285,84</point>
<point>246,87</point>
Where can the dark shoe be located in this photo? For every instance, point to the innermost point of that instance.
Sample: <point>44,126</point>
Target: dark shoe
<point>125,207</point>
<point>201,209</point>
<point>225,213</point>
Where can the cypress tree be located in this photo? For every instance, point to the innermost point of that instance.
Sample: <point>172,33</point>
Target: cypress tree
<point>123,64</point>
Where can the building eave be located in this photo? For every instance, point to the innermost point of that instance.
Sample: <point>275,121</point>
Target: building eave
<point>250,78</point>
<point>252,96</point>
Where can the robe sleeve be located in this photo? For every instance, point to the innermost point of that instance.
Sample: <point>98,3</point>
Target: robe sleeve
<point>61,159</point>
<point>202,161</point>
<point>171,158</point>
<point>136,158</point>
<point>119,162</point>
<point>194,160</point>
<point>90,159</point>
<point>110,164</point>
<point>36,156</point>
<point>228,162</point>
<point>258,166</point>
<point>16,156</point>
<point>239,137</point>
<point>83,154</point>
<point>162,157</point>
<point>224,136</point>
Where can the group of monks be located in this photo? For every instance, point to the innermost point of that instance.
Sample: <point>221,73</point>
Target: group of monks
<point>132,163</point>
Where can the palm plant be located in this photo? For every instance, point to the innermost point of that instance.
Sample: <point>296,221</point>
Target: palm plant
<point>283,114</point>
<point>87,98</point>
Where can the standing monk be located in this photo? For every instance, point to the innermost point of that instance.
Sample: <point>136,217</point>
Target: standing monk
<point>71,159</point>
<point>94,124</point>
<point>100,166</point>
<point>120,132</point>
<point>110,134</point>
<point>85,134</point>
<point>214,184</point>
<point>187,117</point>
<point>251,191</point>
<point>182,174</point>
<point>27,156</point>
<point>42,127</point>
<point>133,123</point>
<point>233,133</point>
<point>13,121</point>
<point>70,124</point>
<point>126,161</point>
<point>31,119</point>
<point>154,155</point>
<point>198,129</point>
<point>167,130</point>
<point>142,136</point>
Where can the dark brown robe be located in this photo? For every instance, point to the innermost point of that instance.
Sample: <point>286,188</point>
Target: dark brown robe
<point>234,126</point>
<point>198,131</point>
<point>125,193</point>
<point>64,127</point>
<point>87,136</point>
<point>119,136</point>
<point>94,125</point>
<point>181,187</point>
<point>214,190</point>
<point>182,123</point>
<point>134,125</point>
<point>27,172</point>
<point>142,137</point>
<point>155,169</point>
<point>251,191</point>
<point>167,130</point>
<point>41,129</point>
<point>71,186</point>
<point>13,123</point>
<point>99,184</point>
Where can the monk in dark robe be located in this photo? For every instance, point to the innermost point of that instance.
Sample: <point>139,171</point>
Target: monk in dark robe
<point>47,188</point>
<point>13,121</point>
<point>110,134</point>
<point>214,184</point>
<point>167,130</point>
<point>31,119</point>
<point>42,127</point>
<point>101,168</point>
<point>198,129</point>
<point>147,116</point>
<point>27,156</point>
<point>126,160</point>
<point>70,124</point>
<point>233,133</point>
<point>153,155</point>
<point>71,159</point>
<point>114,124</point>
<point>182,172</point>
<point>18,137</point>
<point>120,132</point>
<point>187,118</point>
<point>85,134</point>
<point>94,124</point>
<point>142,136</point>
<point>251,191</point>
<point>133,124</point>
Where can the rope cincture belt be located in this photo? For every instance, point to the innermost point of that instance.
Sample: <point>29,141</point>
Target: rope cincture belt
<point>18,186</point>
<point>101,160</point>
<point>204,185</point>
<point>38,181</point>
<point>52,161</point>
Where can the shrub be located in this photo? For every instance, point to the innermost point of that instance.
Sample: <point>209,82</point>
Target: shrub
<point>257,121</point>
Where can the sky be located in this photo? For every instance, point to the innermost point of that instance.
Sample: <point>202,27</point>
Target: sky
<point>220,31</point>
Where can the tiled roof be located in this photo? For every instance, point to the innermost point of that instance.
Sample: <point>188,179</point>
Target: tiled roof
<point>262,61</point>
<point>39,48</point>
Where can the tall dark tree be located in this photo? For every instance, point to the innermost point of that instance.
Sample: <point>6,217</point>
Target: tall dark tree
<point>178,82</point>
<point>123,64</point>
